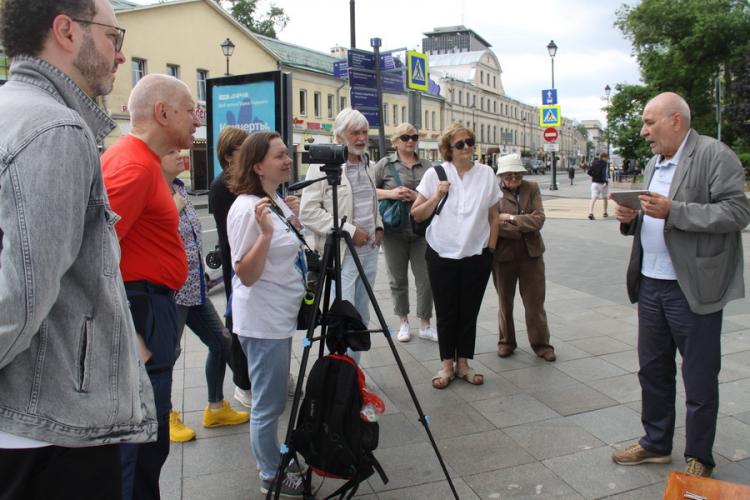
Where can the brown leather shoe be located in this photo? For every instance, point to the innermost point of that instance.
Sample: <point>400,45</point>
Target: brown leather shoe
<point>695,468</point>
<point>549,355</point>
<point>504,350</point>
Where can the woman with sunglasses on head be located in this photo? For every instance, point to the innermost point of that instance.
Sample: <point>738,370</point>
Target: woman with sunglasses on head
<point>518,259</point>
<point>396,176</point>
<point>460,242</point>
<point>267,290</point>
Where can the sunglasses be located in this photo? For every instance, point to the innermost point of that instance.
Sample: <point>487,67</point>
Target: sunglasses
<point>406,137</point>
<point>509,177</point>
<point>119,37</point>
<point>468,143</point>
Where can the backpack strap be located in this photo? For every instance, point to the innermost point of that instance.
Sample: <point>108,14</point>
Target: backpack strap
<point>440,171</point>
<point>394,172</point>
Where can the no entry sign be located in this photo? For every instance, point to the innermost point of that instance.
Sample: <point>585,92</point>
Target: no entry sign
<point>550,134</point>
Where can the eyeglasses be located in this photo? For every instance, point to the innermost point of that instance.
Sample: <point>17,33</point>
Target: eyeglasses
<point>406,137</point>
<point>119,37</point>
<point>510,177</point>
<point>464,144</point>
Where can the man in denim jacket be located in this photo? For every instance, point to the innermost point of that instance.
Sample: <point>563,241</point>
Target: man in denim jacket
<point>72,383</point>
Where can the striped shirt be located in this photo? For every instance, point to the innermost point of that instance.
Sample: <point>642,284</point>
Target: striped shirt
<point>363,201</point>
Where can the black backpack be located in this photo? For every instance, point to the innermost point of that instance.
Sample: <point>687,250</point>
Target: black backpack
<point>330,434</point>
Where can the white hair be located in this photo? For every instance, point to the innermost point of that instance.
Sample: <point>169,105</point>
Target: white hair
<point>152,89</point>
<point>349,119</point>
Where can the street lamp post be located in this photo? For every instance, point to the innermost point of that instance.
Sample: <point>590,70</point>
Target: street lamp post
<point>607,92</point>
<point>227,47</point>
<point>552,49</point>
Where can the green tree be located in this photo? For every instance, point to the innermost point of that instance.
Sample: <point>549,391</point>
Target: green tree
<point>244,11</point>
<point>624,120</point>
<point>682,45</point>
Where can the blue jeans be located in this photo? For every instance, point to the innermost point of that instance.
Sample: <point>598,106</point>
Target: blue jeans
<point>353,289</point>
<point>204,321</point>
<point>268,365</point>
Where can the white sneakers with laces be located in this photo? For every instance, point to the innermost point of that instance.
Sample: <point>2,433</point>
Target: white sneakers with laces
<point>403,333</point>
<point>428,334</point>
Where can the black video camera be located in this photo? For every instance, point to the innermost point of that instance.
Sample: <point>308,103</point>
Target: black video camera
<point>328,154</point>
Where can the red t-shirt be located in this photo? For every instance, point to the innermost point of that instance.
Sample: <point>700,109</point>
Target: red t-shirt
<point>152,248</point>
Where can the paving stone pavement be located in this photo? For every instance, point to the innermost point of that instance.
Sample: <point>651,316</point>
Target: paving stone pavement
<point>534,429</point>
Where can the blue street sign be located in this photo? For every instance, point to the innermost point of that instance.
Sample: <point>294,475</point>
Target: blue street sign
<point>361,59</point>
<point>549,97</point>
<point>361,78</point>
<point>372,115</point>
<point>392,82</point>
<point>340,69</point>
<point>364,98</point>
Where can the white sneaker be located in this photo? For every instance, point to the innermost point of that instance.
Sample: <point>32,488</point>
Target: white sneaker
<point>243,397</point>
<point>403,333</point>
<point>428,334</point>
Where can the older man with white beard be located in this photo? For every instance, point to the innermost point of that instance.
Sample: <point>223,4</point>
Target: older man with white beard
<point>357,201</point>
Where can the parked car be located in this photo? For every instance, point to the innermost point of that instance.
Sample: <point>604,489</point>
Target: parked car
<point>533,166</point>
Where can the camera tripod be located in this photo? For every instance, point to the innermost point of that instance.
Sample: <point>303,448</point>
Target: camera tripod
<point>330,274</point>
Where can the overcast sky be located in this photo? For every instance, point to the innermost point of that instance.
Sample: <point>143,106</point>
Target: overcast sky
<point>591,51</point>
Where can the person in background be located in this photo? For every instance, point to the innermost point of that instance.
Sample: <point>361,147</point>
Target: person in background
<point>220,200</point>
<point>357,201</point>
<point>685,266</point>
<point>267,290</point>
<point>196,310</point>
<point>72,381</point>
<point>460,242</point>
<point>518,260</point>
<point>403,247</point>
<point>153,263</point>
<point>599,184</point>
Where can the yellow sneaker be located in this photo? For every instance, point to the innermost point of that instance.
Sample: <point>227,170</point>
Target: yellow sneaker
<point>226,415</point>
<point>178,431</point>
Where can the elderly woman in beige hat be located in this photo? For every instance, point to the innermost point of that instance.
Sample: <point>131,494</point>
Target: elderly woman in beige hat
<point>518,259</point>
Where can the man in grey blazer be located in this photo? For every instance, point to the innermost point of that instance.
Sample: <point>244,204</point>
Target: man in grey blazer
<point>685,265</point>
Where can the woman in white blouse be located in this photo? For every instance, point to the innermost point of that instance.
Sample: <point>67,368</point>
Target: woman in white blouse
<point>266,290</point>
<point>460,242</point>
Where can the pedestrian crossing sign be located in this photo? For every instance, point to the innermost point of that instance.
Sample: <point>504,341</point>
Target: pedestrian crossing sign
<point>550,116</point>
<point>417,70</point>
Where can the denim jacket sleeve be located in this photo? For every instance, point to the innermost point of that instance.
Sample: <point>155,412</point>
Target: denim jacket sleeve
<point>44,192</point>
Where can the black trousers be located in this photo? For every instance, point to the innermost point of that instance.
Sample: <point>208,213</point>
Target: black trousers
<point>155,319</point>
<point>665,325</point>
<point>457,288</point>
<point>59,473</point>
<point>237,360</point>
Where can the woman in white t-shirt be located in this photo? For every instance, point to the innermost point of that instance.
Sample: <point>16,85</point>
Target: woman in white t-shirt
<point>266,290</point>
<point>460,242</point>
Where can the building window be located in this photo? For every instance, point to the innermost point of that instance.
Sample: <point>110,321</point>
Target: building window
<point>494,106</point>
<point>330,105</point>
<point>201,76</point>
<point>427,120</point>
<point>342,103</point>
<point>385,114</point>
<point>494,82</point>
<point>434,125</point>
<point>481,77</point>
<point>303,102</point>
<point>317,103</point>
<point>395,114</point>
<point>403,114</point>
<point>460,98</point>
<point>137,69</point>
<point>481,103</point>
<point>474,100</point>
<point>481,133</point>
<point>494,134</point>
<point>173,70</point>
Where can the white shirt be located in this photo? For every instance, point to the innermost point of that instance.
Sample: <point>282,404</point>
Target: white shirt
<point>656,262</point>
<point>268,308</point>
<point>13,442</point>
<point>462,229</point>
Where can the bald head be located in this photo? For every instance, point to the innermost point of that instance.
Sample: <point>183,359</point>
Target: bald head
<point>666,121</point>
<point>151,90</point>
<point>668,104</point>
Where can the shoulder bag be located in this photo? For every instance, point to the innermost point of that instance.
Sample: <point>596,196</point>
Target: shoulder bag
<point>420,228</point>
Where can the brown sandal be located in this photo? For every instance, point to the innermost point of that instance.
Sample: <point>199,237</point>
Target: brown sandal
<point>444,378</point>
<point>470,376</point>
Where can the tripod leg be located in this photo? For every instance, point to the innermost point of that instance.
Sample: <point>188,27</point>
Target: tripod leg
<point>331,270</point>
<point>422,418</point>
